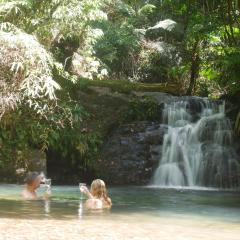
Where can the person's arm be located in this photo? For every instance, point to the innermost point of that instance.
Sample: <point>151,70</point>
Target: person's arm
<point>110,202</point>
<point>107,203</point>
<point>85,190</point>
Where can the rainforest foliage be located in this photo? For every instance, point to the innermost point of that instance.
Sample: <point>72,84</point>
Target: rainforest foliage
<point>50,49</point>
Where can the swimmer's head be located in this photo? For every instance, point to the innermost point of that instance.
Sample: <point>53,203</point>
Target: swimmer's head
<point>33,179</point>
<point>98,188</point>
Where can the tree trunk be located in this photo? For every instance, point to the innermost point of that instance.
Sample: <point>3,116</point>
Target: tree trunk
<point>230,20</point>
<point>195,64</point>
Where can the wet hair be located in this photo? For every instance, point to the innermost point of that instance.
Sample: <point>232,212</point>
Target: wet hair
<point>99,190</point>
<point>31,177</point>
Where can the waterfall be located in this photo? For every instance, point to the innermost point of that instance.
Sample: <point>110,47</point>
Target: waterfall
<point>198,147</point>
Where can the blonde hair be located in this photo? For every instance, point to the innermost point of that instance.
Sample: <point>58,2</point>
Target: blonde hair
<point>99,190</point>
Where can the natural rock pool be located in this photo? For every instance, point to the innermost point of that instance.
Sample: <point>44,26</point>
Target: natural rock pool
<point>137,213</point>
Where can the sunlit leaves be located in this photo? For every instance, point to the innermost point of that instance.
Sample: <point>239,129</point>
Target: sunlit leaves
<point>12,7</point>
<point>25,69</point>
<point>167,25</point>
<point>147,9</point>
<point>55,20</point>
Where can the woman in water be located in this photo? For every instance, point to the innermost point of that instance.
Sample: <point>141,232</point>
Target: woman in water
<point>33,181</point>
<point>98,197</point>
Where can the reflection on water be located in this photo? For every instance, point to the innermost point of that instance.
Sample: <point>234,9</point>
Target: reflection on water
<point>151,202</point>
<point>47,207</point>
<point>80,209</point>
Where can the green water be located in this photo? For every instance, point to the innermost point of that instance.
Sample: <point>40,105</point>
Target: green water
<point>150,202</point>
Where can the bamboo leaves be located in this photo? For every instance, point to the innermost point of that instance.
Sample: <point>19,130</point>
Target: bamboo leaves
<point>26,70</point>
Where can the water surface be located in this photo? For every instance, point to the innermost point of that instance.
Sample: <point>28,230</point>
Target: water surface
<point>147,202</point>
<point>138,214</point>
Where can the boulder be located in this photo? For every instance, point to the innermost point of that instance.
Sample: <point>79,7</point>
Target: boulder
<point>131,153</point>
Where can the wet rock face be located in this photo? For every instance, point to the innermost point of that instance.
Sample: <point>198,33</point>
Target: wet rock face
<point>132,153</point>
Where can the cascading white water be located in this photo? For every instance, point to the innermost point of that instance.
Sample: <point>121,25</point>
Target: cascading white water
<point>197,149</point>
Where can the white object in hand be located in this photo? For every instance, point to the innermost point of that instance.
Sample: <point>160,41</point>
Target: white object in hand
<point>83,189</point>
<point>48,182</point>
<point>82,186</point>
